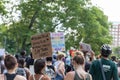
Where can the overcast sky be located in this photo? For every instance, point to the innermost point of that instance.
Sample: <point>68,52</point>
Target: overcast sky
<point>111,8</point>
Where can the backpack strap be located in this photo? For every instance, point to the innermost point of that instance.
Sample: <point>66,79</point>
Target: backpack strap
<point>40,77</point>
<point>33,77</point>
<point>103,74</point>
<point>88,77</point>
<point>77,77</point>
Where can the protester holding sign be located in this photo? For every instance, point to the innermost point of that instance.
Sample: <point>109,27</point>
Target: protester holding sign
<point>88,54</point>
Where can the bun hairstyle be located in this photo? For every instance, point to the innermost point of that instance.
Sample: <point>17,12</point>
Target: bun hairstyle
<point>79,59</point>
<point>106,50</point>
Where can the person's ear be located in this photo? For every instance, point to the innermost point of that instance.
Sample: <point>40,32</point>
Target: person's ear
<point>16,65</point>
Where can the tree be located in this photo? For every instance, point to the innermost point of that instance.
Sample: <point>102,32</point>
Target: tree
<point>3,12</point>
<point>2,7</point>
<point>96,28</point>
<point>77,18</point>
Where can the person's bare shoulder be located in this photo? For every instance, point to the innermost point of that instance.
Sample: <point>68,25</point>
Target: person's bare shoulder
<point>31,77</point>
<point>19,77</point>
<point>69,75</point>
<point>45,77</point>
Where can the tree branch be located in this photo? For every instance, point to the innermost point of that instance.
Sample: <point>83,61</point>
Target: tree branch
<point>31,24</point>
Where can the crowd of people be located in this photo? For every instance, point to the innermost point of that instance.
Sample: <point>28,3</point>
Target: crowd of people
<point>61,66</point>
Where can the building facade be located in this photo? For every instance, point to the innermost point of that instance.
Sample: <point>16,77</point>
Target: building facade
<point>115,32</point>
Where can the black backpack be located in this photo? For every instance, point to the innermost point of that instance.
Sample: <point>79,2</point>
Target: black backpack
<point>50,71</point>
<point>21,71</point>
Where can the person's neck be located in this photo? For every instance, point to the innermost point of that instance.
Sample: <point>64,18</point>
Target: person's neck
<point>105,58</point>
<point>11,71</point>
<point>79,67</point>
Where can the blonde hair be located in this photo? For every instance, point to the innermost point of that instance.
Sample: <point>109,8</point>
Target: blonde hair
<point>79,53</point>
<point>60,56</point>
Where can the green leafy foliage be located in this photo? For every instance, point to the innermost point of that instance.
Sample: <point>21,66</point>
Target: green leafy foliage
<point>78,19</point>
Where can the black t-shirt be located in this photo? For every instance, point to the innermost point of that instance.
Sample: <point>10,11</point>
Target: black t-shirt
<point>29,61</point>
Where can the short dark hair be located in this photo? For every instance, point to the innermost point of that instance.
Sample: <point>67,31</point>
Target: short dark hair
<point>21,62</point>
<point>48,58</point>
<point>23,53</point>
<point>39,65</point>
<point>113,58</point>
<point>10,62</point>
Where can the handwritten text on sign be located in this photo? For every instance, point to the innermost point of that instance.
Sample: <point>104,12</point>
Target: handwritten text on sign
<point>41,45</point>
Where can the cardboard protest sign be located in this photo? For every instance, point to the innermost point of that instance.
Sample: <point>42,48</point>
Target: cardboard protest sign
<point>85,47</point>
<point>44,45</point>
<point>41,45</point>
<point>58,42</point>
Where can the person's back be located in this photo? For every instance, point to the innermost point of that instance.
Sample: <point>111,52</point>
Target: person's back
<point>11,66</point>
<point>8,76</point>
<point>11,77</point>
<point>39,77</point>
<point>77,77</point>
<point>109,67</point>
